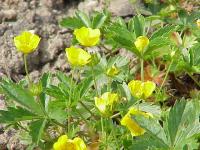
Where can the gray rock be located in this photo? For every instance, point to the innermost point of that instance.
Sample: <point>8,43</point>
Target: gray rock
<point>121,7</point>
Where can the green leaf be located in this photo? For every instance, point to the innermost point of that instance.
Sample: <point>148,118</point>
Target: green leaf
<point>72,23</point>
<point>64,79</point>
<point>157,43</point>
<point>124,90</point>
<point>56,92</point>
<point>22,96</point>
<point>153,128</point>
<point>147,142</point>
<point>163,32</point>
<point>120,30</point>
<point>84,86</point>
<point>139,25</point>
<point>128,45</point>
<point>174,119</point>
<point>151,108</point>
<point>189,127</point>
<point>98,20</point>
<point>37,129</point>
<point>194,55</point>
<point>84,18</point>
<point>45,80</point>
<point>56,110</point>
<point>13,115</point>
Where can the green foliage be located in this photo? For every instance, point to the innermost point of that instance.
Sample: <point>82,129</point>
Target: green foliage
<point>21,96</point>
<point>180,127</point>
<point>65,103</point>
<point>81,19</point>
<point>36,130</point>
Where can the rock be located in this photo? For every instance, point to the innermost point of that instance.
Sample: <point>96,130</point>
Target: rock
<point>89,6</point>
<point>121,8</point>
<point>8,15</point>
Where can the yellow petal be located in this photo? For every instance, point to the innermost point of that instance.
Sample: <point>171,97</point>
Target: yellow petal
<point>141,89</point>
<point>134,128</point>
<point>127,121</point>
<point>61,143</point>
<point>112,71</point>
<point>100,104</point>
<point>80,145</point>
<point>87,36</point>
<point>77,56</point>
<point>198,23</point>
<point>149,87</point>
<point>110,98</point>
<point>106,102</point>
<point>135,86</point>
<point>141,43</point>
<point>26,42</point>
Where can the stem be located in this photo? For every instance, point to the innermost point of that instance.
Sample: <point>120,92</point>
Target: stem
<point>115,115</point>
<point>69,102</point>
<point>26,68</point>
<point>57,123</point>
<point>87,109</point>
<point>194,79</point>
<point>95,82</point>
<point>22,127</point>
<point>142,69</point>
<point>148,27</point>
<point>86,121</point>
<point>41,106</point>
<point>102,126</point>
<point>165,78</point>
<point>109,84</point>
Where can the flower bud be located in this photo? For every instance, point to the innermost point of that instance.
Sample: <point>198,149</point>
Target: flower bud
<point>141,43</point>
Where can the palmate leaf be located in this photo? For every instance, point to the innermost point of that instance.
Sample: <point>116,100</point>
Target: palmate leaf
<point>194,55</point>
<point>56,110</point>
<point>147,142</point>
<point>128,45</point>
<point>156,44</point>
<point>81,89</point>
<point>21,96</point>
<point>85,19</point>
<point>99,19</point>
<point>56,92</point>
<point>37,129</point>
<point>66,80</point>
<point>119,30</point>
<point>174,119</point>
<point>13,115</point>
<point>45,80</point>
<point>72,23</point>
<point>154,129</point>
<point>139,25</point>
<point>163,32</point>
<point>189,127</point>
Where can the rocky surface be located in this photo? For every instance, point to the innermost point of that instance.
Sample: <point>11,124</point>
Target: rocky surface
<point>42,18</point>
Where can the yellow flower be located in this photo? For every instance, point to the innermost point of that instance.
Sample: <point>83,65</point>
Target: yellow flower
<point>128,122</point>
<point>87,36</point>
<point>26,42</point>
<point>105,102</point>
<point>141,89</point>
<point>77,56</point>
<point>198,23</point>
<point>112,71</point>
<point>64,143</point>
<point>141,43</point>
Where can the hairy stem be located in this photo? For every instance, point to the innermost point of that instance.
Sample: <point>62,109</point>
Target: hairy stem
<point>26,69</point>
<point>142,69</point>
